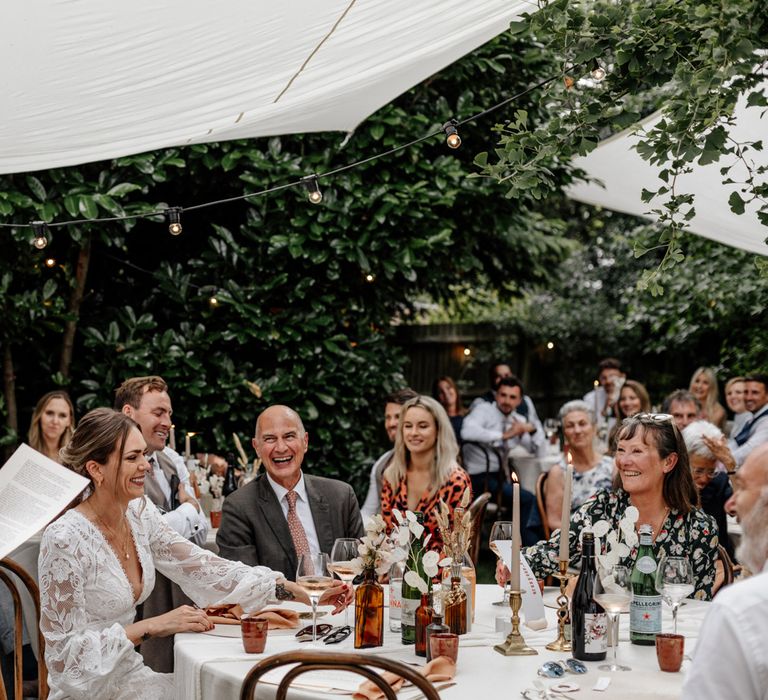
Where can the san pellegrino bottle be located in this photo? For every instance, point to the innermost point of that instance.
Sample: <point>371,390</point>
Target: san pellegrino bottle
<point>645,608</point>
<point>589,622</point>
<point>411,595</point>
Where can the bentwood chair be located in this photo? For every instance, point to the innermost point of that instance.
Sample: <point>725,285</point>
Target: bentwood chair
<point>12,582</point>
<point>541,503</point>
<point>493,465</point>
<point>322,660</point>
<point>477,509</point>
<point>724,569</point>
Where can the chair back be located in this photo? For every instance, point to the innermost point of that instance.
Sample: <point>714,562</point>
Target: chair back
<point>477,510</point>
<point>724,574</point>
<point>542,504</point>
<point>489,455</point>
<point>321,660</point>
<point>12,582</point>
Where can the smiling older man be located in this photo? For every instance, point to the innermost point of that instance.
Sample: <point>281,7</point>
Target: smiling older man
<point>285,512</point>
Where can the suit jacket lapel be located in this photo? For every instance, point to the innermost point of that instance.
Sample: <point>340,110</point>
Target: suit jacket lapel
<point>273,514</point>
<point>320,515</point>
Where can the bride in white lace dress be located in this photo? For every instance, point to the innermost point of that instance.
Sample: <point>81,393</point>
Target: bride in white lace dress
<point>98,561</point>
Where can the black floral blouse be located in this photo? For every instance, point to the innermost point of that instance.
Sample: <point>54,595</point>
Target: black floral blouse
<point>693,535</point>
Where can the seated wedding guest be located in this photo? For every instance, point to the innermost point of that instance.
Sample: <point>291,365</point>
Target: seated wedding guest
<point>53,421</point>
<point>444,389</point>
<point>731,657</point>
<point>592,471</point>
<point>285,512</point>
<point>393,404</point>
<point>704,388</point>
<point>424,467</point>
<point>755,431</point>
<point>734,399</point>
<point>710,461</point>
<point>653,476</point>
<point>496,372</point>
<point>683,406</point>
<point>602,399</point>
<point>98,561</point>
<point>633,398</point>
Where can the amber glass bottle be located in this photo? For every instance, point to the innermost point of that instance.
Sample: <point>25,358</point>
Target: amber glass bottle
<point>456,603</point>
<point>369,612</point>
<point>423,619</point>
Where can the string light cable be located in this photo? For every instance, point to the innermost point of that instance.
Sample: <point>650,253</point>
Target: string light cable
<point>172,215</point>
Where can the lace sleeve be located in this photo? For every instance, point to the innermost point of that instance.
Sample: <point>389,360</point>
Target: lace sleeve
<point>206,578</point>
<point>81,659</point>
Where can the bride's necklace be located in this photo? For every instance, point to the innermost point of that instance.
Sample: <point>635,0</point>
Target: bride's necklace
<point>122,543</point>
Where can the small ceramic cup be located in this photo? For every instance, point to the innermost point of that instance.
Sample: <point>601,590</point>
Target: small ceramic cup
<point>254,631</point>
<point>669,651</point>
<point>444,644</point>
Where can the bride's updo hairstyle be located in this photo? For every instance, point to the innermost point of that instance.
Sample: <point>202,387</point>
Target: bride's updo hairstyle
<point>97,436</point>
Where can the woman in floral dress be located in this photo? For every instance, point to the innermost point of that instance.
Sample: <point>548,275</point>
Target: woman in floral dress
<point>653,476</point>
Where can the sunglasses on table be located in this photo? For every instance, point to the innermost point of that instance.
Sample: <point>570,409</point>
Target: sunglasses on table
<point>557,669</point>
<point>326,632</point>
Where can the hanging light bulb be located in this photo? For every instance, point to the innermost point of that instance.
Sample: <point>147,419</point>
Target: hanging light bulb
<point>313,189</point>
<point>369,277</point>
<point>173,217</point>
<point>50,262</point>
<point>597,72</point>
<point>213,301</point>
<point>41,234</point>
<point>452,137</point>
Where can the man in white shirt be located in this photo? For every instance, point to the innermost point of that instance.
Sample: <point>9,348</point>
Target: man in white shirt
<point>284,513</point>
<point>392,407</point>
<point>146,401</point>
<point>602,399</point>
<point>731,656</point>
<point>755,431</point>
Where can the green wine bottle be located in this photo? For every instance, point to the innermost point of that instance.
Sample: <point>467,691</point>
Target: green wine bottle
<point>411,596</point>
<point>645,608</point>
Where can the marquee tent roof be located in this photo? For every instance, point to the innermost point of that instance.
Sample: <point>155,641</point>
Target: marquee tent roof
<point>91,80</point>
<point>624,174</point>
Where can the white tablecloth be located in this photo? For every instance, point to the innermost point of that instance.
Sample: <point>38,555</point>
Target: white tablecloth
<point>212,668</point>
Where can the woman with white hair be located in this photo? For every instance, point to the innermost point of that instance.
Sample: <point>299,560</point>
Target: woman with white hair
<point>710,461</point>
<point>424,468</point>
<point>592,470</point>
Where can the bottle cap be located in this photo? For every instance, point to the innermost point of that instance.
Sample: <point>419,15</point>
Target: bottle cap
<point>437,619</point>
<point>646,529</point>
<point>587,535</point>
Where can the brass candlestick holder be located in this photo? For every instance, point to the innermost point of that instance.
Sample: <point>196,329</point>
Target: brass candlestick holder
<point>561,643</point>
<point>515,645</point>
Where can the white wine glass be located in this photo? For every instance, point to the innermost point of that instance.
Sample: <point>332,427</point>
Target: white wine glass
<point>313,576</point>
<point>501,530</point>
<point>613,591</point>
<point>343,552</point>
<point>674,581</point>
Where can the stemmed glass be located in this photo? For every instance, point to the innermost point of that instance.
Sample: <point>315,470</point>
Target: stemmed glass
<point>501,530</point>
<point>613,591</point>
<point>343,552</point>
<point>550,428</point>
<point>674,581</point>
<point>313,576</point>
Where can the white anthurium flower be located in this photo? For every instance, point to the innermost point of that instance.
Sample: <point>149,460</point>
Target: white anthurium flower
<point>601,528</point>
<point>356,565</point>
<point>446,562</point>
<point>403,536</point>
<point>416,528</point>
<point>632,514</point>
<point>631,538</point>
<point>611,539</point>
<point>410,516</point>
<point>426,539</point>
<point>429,562</point>
<point>398,516</point>
<point>414,580</point>
<point>362,549</point>
<point>621,550</point>
<point>627,527</point>
<point>398,554</point>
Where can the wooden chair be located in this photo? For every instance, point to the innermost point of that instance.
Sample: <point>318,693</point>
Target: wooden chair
<point>542,504</point>
<point>492,457</point>
<point>723,570</point>
<point>31,586</point>
<point>477,509</point>
<point>322,660</point>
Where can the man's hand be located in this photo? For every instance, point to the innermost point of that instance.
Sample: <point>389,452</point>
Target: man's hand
<point>517,429</point>
<point>185,497</point>
<point>719,448</point>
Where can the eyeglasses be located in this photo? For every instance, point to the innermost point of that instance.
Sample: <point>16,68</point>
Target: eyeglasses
<point>305,633</point>
<point>709,473</point>
<point>653,418</point>
<point>557,669</point>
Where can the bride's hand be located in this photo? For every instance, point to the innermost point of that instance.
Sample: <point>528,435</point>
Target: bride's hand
<point>182,619</point>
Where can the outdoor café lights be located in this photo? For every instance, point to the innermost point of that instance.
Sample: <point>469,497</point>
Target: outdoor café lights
<point>313,189</point>
<point>173,217</point>
<point>41,234</point>
<point>452,137</point>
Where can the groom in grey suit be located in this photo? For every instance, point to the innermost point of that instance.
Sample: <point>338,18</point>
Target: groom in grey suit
<point>285,512</point>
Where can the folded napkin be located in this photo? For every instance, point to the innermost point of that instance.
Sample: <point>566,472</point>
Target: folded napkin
<point>278,618</point>
<point>439,669</point>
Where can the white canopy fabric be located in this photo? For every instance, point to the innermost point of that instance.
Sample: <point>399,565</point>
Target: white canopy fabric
<point>88,80</point>
<point>624,174</point>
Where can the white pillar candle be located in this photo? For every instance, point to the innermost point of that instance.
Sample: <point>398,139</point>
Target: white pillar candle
<point>187,440</point>
<point>172,438</point>
<point>515,579</point>
<point>565,524</point>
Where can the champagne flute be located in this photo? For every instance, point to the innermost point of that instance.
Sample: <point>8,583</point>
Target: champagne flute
<point>613,591</point>
<point>313,576</point>
<point>674,580</point>
<point>501,530</point>
<point>343,552</point>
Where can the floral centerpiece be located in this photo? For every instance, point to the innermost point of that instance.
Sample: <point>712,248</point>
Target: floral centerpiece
<point>375,549</point>
<point>617,545</point>
<point>410,546</point>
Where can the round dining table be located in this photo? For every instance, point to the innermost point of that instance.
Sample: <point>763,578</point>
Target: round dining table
<point>212,665</point>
